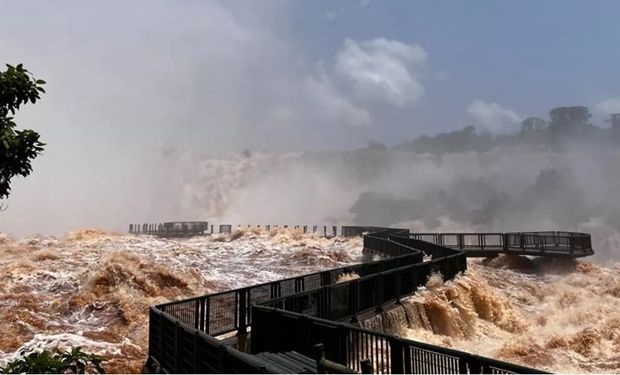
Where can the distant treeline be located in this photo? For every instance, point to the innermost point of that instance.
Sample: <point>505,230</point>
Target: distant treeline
<point>564,124</point>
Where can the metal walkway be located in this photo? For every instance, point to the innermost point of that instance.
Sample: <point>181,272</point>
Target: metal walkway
<point>296,314</point>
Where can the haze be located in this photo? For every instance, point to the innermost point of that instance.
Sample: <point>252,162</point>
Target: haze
<point>150,104</point>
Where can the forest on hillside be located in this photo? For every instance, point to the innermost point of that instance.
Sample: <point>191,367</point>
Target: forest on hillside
<point>565,125</point>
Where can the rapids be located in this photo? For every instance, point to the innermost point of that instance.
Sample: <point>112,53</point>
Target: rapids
<point>560,316</point>
<point>93,288</point>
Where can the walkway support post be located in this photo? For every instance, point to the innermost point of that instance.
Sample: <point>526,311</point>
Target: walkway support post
<point>243,311</point>
<point>396,356</point>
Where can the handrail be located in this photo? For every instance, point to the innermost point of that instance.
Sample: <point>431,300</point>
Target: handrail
<point>318,296</point>
<point>352,355</point>
<point>241,299</point>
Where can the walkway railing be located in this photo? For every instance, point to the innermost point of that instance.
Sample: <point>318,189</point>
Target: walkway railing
<point>224,312</point>
<point>350,345</point>
<point>526,243</point>
<point>171,229</point>
<point>180,331</point>
<point>200,228</point>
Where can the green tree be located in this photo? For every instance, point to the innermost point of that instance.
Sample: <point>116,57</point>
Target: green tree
<point>17,147</point>
<point>569,120</point>
<point>74,361</point>
<point>614,130</point>
<point>533,130</point>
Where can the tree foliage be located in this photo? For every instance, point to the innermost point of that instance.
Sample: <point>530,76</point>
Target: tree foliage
<point>565,124</point>
<point>74,361</point>
<point>569,121</point>
<point>17,147</point>
<point>374,145</point>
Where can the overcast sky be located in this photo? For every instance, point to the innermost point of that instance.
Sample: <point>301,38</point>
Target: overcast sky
<point>312,74</point>
<point>128,79</point>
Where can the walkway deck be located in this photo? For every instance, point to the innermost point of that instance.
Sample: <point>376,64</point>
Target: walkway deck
<point>298,313</point>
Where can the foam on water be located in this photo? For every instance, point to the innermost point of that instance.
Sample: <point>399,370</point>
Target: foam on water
<point>561,316</point>
<point>93,288</point>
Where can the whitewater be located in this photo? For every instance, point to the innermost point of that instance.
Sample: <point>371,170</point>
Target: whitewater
<point>550,314</point>
<point>93,288</point>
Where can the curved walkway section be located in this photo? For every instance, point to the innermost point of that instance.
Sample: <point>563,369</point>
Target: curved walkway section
<point>294,315</point>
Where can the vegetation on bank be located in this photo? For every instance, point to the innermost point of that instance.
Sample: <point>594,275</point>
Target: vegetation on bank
<point>73,361</point>
<point>565,124</point>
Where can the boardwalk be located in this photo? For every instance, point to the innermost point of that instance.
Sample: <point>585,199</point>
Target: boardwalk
<point>295,315</point>
<point>550,244</point>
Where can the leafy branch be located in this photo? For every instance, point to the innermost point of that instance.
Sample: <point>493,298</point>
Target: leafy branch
<point>17,147</point>
<point>74,361</point>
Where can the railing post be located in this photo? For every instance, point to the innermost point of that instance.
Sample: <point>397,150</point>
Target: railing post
<point>366,366</point>
<point>399,283</point>
<point>274,290</point>
<point>319,354</point>
<point>324,307</point>
<point>299,284</point>
<point>326,278</point>
<point>177,349</point>
<point>197,314</point>
<point>462,366</point>
<point>161,339</point>
<point>474,365</point>
<point>243,313</point>
<point>201,323</point>
<point>207,315</point>
<point>354,297</point>
<point>396,356</point>
<point>407,360</point>
<point>379,287</point>
<point>343,337</point>
<point>221,358</point>
<point>196,361</point>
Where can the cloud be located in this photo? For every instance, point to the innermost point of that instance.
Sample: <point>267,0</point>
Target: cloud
<point>335,108</point>
<point>382,70</point>
<point>609,105</point>
<point>316,98</point>
<point>334,13</point>
<point>203,76</point>
<point>492,116</point>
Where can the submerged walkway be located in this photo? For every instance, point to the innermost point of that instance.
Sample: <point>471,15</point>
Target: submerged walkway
<point>297,314</point>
